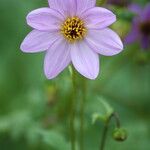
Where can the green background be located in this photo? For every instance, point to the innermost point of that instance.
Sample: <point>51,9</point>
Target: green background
<point>34,112</point>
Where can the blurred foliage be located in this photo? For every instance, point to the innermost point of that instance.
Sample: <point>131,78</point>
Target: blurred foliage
<point>34,112</point>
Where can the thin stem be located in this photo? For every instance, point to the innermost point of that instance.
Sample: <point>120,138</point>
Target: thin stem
<point>117,120</point>
<point>82,110</point>
<point>104,135</point>
<point>72,116</point>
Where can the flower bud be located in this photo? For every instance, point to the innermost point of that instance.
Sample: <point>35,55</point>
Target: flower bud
<point>120,134</point>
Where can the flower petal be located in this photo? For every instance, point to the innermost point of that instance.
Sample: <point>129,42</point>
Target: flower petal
<point>83,5</point>
<point>134,33</point>
<point>37,41</point>
<point>65,7</point>
<point>85,60</point>
<point>44,19</point>
<point>98,18</point>
<point>57,58</point>
<point>135,8</point>
<point>145,42</point>
<point>71,7</point>
<point>105,42</point>
<point>146,13</point>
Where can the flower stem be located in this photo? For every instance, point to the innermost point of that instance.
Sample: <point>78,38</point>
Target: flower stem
<point>103,140</point>
<point>72,116</point>
<point>82,110</point>
<point>104,135</point>
<point>117,120</point>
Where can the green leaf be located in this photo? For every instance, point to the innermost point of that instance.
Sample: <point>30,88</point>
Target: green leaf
<point>105,114</point>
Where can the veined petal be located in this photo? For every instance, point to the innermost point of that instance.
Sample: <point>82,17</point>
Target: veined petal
<point>83,5</point>
<point>57,58</point>
<point>85,60</point>
<point>44,19</point>
<point>71,7</point>
<point>98,18</point>
<point>105,42</point>
<point>65,7</point>
<point>37,41</point>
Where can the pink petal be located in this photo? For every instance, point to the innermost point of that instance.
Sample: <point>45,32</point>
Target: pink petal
<point>85,60</point>
<point>135,8</point>
<point>71,7</point>
<point>65,7</point>
<point>146,13</point>
<point>37,41</point>
<point>44,19</point>
<point>83,5</point>
<point>98,18</point>
<point>105,42</point>
<point>57,58</point>
<point>134,34</point>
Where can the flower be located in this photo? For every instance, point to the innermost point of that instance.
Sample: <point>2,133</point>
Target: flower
<point>72,31</point>
<point>140,30</point>
<point>120,3</point>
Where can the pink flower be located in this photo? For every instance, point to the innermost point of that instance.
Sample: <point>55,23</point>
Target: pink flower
<point>72,31</point>
<point>140,26</point>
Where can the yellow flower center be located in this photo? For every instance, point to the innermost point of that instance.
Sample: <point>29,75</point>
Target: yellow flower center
<point>73,29</point>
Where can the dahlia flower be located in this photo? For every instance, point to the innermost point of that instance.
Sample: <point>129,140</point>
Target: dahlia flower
<point>140,30</point>
<point>72,31</point>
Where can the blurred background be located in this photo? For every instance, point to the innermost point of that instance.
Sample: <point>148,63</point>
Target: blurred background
<point>34,112</point>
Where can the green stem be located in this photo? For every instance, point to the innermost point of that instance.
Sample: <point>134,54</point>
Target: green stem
<point>82,110</point>
<point>72,117</point>
<point>117,120</point>
<point>104,135</point>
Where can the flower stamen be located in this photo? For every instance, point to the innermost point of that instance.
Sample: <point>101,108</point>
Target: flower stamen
<point>73,29</point>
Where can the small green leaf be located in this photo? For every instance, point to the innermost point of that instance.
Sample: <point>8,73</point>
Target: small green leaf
<point>102,116</point>
<point>96,117</point>
<point>108,109</point>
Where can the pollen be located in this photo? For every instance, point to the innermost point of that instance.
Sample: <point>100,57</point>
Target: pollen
<point>73,29</point>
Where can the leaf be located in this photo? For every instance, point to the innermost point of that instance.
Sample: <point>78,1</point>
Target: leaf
<point>107,111</point>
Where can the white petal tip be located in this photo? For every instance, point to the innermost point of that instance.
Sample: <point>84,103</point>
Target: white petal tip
<point>49,77</point>
<point>91,76</point>
<point>120,46</point>
<point>23,48</point>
